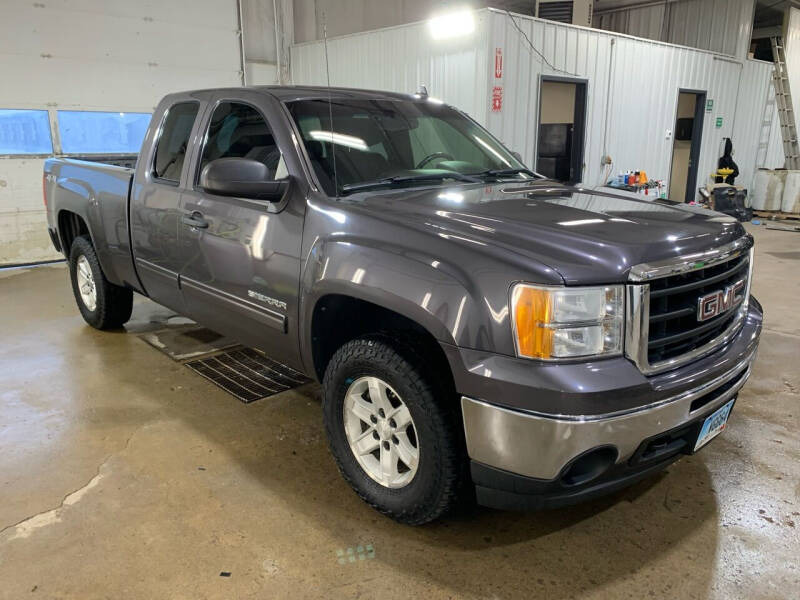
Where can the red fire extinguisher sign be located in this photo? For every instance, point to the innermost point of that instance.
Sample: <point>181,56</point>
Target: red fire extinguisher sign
<point>497,98</point>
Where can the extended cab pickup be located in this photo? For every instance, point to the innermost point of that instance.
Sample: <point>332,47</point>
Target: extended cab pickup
<point>476,327</point>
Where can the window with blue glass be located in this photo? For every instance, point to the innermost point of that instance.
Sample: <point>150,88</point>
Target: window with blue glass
<point>90,132</point>
<point>25,132</point>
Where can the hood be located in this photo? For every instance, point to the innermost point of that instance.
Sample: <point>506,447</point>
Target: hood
<point>587,236</point>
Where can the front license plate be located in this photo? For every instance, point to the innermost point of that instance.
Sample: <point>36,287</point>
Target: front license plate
<point>714,424</point>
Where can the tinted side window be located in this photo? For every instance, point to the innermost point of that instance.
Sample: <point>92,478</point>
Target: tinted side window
<point>238,130</point>
<point>171,146</point>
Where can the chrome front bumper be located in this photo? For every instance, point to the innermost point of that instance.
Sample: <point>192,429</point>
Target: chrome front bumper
<point>540,446</point>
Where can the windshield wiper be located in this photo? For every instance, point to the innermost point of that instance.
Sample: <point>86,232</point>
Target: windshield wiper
<point>505,172</point>
<point>403,179</point>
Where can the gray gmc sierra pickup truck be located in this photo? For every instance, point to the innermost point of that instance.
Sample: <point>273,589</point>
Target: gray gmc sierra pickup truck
<point>477,328</point>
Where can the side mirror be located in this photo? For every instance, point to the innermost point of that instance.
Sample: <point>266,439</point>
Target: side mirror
<point>517,155</point>
<point>242,178</point>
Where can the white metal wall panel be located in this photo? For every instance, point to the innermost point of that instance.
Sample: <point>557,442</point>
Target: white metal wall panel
<point>633,86</point>
<point>748,132</point>
<point>642,101</point>
<point>792,49</point>
<point>99,55</point>
<point>718,25</point>
<point>576,51</point>
<point>400,59</point>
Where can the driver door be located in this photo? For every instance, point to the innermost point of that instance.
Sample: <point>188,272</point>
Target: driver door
<point>241,257</point>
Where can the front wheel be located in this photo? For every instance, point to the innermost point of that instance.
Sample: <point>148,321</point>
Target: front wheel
<point>392,435</point>
<point>103,305</point>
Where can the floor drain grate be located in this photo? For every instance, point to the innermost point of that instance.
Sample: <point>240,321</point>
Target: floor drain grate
<point>247,375</point>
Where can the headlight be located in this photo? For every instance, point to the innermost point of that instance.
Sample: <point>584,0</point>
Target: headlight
<point>562,322</point>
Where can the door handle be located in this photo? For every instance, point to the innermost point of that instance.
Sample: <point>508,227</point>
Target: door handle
<point>195,220</point>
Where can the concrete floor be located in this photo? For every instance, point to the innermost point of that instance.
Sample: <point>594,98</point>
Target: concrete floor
<point>125,475</point>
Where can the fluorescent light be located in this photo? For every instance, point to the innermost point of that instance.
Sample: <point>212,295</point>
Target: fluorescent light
<point>339,138</point>
<point>452,25</point>
<point>580,222</point>
<point>456,197</point>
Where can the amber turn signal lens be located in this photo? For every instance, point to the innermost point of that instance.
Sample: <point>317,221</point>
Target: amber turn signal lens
<point>552,323</point>
<point>532,309</point>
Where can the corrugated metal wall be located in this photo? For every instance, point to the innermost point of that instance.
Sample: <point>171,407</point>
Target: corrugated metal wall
<point>751,112</point>
<point>574,52</point>
<point>640,105</point>
<point>792,49</point>
<point>633,86</point>
<point>718,25</point>
<point>99,55</point>
<point>646,21</point>
<point>400,59</point>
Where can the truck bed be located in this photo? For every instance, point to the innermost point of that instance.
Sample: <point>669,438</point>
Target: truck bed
<point>98,193</point>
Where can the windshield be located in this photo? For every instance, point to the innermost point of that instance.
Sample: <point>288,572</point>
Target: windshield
<point>397,142</point>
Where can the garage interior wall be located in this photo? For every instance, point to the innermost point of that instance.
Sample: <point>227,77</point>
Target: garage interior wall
<point>99,55</point>
<point>792,49</point>
<point>632,86</point>
<point>266,46</point>
<point>722,26</point>
<point>401,59</point>
<point>343,17</point>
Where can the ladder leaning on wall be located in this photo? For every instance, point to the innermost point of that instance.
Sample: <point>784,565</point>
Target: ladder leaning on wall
<point>765,136</point>
<point>783,98</point>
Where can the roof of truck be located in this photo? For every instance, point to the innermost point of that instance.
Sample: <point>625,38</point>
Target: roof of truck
<point>289,93</point>
<point>301,92</point>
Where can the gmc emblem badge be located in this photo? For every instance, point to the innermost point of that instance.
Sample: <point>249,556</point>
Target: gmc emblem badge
<point>716,303</point>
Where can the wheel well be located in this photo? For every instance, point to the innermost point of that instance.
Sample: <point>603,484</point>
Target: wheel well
<point>337,319</point>
<point>70,226</point>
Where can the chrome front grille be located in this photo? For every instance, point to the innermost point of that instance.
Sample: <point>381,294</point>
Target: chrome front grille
<point>673,325</point>
<point>663,329</point>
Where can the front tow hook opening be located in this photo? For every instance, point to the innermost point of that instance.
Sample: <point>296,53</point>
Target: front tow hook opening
<point>588,466</point>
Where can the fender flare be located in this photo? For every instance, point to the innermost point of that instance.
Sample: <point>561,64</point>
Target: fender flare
<point>388,276</point>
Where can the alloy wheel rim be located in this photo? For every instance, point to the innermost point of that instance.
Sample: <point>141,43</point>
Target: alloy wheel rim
<point>381,432</point>
<point>86,285</point>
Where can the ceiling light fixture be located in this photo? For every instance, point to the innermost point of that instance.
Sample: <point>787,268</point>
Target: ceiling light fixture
<point>451,25</point>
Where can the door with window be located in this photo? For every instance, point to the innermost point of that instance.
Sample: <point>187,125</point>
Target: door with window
<point>155,205</point>
<point>241,257</point>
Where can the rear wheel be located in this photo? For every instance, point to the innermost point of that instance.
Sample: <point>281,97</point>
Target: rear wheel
<point>102,304</point>
<point>391,430</point>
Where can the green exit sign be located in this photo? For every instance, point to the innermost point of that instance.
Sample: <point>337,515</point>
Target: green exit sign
<point>709,105</point>
<point>719,122</point>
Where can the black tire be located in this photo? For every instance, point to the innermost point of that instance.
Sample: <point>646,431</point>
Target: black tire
<point>435,487</point>
<point>114,304</point>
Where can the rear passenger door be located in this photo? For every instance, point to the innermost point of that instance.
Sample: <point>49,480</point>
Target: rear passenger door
<point>242,265</point>
<point>155,203</point>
